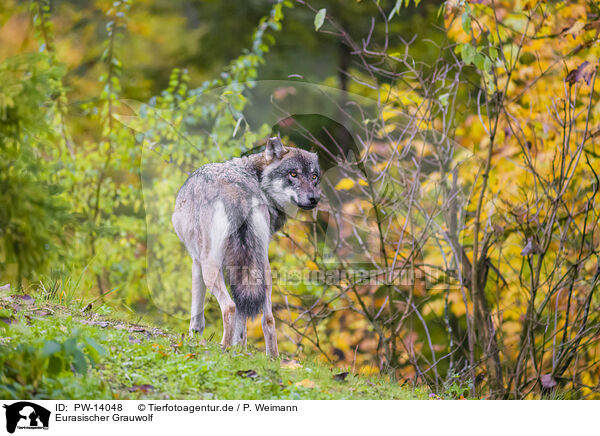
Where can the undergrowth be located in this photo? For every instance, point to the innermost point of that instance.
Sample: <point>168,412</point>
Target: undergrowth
<point>48,351</point>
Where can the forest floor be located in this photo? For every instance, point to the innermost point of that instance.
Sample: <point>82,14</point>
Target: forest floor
<point>48,351</point>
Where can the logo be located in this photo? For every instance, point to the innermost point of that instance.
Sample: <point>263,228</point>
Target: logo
<point>26,415</point>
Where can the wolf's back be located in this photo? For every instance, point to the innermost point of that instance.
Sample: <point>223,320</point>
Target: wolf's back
<point>244,252</point>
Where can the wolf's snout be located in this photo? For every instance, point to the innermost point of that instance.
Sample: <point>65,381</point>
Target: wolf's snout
<point>310,202</point>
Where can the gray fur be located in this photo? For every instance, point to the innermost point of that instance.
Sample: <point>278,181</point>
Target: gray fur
<point>226,213</point>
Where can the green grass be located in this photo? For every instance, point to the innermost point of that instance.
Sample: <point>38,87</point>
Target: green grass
<point>50,352</point>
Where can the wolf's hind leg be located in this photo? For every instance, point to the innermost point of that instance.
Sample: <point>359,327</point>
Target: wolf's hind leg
<point>268,321</point>
<point>239,331</point>
<point>213,278</point>
<point>198,296</point>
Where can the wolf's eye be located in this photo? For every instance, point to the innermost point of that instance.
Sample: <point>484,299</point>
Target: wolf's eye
<point>314,177</point>
<point>293,173</point>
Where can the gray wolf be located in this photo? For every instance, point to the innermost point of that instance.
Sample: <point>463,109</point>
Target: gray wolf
<point>225,215</point>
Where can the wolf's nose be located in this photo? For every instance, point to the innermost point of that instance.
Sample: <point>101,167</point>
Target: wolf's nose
<point>314,200</point>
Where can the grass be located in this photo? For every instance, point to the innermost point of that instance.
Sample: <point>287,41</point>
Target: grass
<point>50,352</point>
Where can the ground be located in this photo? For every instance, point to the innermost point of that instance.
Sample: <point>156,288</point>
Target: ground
<point>48,351</point>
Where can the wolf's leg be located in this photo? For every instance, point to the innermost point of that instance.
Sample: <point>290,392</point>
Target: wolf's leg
<point>211,260</point>
<point>213,278</point>
<point>198,295</point>
<point>239,331</point>
<point>268,322</point>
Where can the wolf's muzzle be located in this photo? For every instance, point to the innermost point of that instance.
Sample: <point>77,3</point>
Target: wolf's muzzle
<point>312,203</point>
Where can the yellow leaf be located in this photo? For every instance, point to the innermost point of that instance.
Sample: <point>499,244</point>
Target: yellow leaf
<point>368,370</point>
<point>345,184</point>
<point>362,182</point>
<point>312,265</point>
<point>576,28</point>
<point>290,364</point>
<point>306,383</point>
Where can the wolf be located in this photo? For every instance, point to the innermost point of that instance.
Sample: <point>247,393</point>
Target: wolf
<point>225,214</point>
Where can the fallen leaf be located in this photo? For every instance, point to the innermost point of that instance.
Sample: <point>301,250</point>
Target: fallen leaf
<point>249,373</point>
<point>290,364</point>
<point>86,308</point>
<point>306,383</point>
<point>27,299</point>
<point>158,349</point>
<point>133,340</point>
<point>341,376</point>
<point>548,381</point>
<point>141,388</point>
<point>102,324</point>
<point>190,355</point>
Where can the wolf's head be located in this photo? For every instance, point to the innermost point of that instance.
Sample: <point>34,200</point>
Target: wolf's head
<point>291,176</point>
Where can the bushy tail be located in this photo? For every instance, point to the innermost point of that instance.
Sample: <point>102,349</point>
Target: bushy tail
<point>244,269</point>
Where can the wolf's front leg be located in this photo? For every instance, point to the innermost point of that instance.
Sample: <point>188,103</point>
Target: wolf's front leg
<point>268,321</point>
<point>198,296</point>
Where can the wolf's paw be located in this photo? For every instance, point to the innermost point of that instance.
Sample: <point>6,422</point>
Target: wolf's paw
<point>195,333</point>
<point>196,326</point>
<point>273,354</point>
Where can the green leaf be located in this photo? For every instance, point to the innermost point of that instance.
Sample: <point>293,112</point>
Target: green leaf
<point>396,9</point>
<point>70,345</point>
<point>444,99</point>
<point>467,52</point>
<point>50,347</point>
<point>79,362</point>
<point>466,19</point>
<point>320,18</point>
<point>277,13</point>
<point>479,61</point>
<point>493,53</point>
<point>55,364</point>
<point>527,58</point>
<point>95,349</point>
<point>487,64</point>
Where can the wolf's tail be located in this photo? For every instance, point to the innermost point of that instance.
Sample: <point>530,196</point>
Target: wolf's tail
<point>245,260</point>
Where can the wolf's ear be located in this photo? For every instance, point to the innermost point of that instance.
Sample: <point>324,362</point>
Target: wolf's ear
<point>274,148</point>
